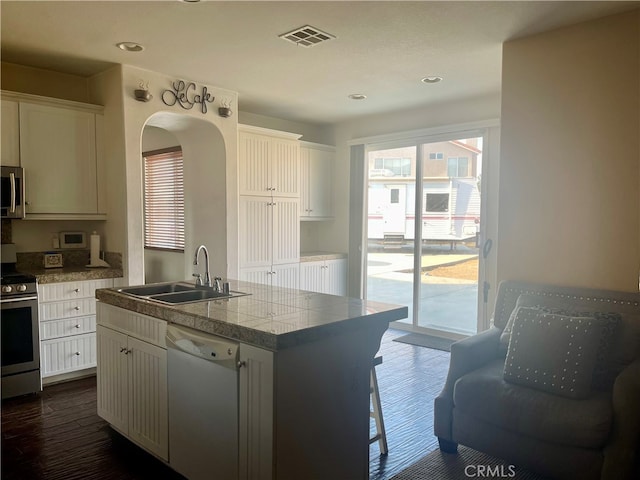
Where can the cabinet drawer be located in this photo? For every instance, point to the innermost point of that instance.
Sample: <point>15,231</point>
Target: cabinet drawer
<point>67,309</point>
<point>68,290</point>
<point>67,327</point>
<point>65,355</point>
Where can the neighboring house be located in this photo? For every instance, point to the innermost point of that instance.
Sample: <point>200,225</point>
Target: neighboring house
<point>451,201</point>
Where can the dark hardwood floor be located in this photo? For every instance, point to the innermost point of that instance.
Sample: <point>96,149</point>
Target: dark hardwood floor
<point>57,434</point>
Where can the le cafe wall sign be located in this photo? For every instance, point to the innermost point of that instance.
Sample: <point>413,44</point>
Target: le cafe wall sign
<point>187,96</point>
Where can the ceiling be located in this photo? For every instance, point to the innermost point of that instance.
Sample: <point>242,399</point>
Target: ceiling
<point>382,49</point>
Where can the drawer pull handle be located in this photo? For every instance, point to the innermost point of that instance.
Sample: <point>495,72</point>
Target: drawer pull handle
<point>76,308</point>
<point>77,353</point>
<point>77,290</point>
<point>78,326</point>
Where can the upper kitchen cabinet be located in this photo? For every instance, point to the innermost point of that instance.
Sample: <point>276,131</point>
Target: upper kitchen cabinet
<point>60,150</point>
<point>269,162</point>
<point>10,133</point>
<point>317,168</point>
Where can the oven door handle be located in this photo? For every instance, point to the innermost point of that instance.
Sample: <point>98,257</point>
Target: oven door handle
<point>20,299</point>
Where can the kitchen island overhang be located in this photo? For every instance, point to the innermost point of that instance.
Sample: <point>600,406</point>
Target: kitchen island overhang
<point>304,370</point>
<point>268,317</point>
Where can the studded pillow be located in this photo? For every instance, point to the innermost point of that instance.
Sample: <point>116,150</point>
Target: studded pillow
<point>552,352</point>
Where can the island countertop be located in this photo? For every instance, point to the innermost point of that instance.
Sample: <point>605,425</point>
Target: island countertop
<point>272,318</point>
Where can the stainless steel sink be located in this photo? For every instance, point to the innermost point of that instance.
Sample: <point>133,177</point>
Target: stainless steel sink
<point>157,288</point>
<point>176,293</point>
<point>192,296</point>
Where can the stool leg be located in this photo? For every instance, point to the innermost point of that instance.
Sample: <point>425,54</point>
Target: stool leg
<point>381,434</point>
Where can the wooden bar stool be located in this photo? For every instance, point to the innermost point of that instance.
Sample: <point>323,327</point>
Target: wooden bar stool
<point>376,412</point>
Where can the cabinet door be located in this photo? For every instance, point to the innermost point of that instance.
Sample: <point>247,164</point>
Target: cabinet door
<point>58,153</point>
<point>304,181</point>
<point>336,277</point>
<point>286,276</point>
<point>148,414</point>
<point>320,173</point>
<point>112,378</point>
<point>254,166</point>
<point>10,142</point>
<point>285,168</point>
<point>260,275</point>
<point>286,230</point>
<point>312,276</point>
<point>256,413</point>
<point>256,218</point>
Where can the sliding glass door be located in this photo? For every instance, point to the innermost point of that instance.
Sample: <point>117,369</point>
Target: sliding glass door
<point>423,222</point>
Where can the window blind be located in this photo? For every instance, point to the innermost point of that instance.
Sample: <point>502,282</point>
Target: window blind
<point>164,200</point>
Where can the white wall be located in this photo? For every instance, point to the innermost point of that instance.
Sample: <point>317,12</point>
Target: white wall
<point>570,167</point>
<point>210,177</point>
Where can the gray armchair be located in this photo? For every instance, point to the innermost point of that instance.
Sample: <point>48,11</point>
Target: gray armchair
<point>553,385</point>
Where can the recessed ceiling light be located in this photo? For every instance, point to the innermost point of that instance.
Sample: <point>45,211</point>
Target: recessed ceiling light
<point>130,46</point>
<point>431,79</point>
<point>357,96</point>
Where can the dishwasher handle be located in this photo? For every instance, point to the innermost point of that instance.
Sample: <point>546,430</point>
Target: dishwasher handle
<point>202,345</point>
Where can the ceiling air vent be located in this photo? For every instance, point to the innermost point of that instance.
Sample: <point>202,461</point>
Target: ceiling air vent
<point>307,36</point>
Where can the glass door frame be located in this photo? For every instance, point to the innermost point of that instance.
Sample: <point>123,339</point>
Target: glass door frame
<point>418,141</point>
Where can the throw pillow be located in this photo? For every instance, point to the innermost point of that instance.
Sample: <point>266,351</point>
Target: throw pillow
<point>553,353</point>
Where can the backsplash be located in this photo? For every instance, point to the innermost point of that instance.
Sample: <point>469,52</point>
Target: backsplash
<point>29,261</point>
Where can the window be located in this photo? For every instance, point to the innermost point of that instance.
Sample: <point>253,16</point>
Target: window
<point>458,166</point>
<point>164,200</point>
<point>397,166</point>
<point>436,156</point>
<point>436,202</point>
<point>395,195</point>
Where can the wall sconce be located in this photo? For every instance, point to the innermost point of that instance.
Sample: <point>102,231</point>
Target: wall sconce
<point>142,94</point>
<point>225,109</point>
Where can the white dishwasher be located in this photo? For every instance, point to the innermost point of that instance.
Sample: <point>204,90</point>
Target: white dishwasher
<point>203,404</point>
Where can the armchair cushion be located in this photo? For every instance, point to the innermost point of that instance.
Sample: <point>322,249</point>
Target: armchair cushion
<point>553,353</point>
<point>485,395</point>
<point>607,367</point>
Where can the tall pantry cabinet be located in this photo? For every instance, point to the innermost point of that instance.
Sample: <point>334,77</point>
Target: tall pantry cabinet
<point>269,206</point>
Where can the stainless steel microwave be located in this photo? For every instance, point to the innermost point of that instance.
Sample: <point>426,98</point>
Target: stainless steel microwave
<point>12,192</point>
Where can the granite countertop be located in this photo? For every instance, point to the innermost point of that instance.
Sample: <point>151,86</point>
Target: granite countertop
<point>72,274</point>
<point>272,318</point>
<point>320,256</point>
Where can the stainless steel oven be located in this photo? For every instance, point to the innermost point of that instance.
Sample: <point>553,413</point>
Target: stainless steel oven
<point>19,332</point>
<point>12,192</point>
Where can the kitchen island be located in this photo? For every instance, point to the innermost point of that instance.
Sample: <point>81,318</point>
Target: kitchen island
<point>303,370</point>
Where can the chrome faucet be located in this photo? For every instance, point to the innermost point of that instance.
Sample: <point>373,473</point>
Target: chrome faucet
<point>217,284</point>
<point>207,278</point>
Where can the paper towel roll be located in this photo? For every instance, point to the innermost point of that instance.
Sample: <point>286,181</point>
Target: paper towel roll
<point>94,259</point>
<point>95,248</point>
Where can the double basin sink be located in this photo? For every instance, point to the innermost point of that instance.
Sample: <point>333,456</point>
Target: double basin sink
<point>176,293</point>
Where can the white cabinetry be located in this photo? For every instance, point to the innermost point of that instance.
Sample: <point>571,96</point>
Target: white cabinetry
<point>324,276</point>
<point>132,377</point>
<point>68,325</point>
<point>269,207</point>
<point>10,142</point>
<point>60,148</point>
<point>269,162</point>
<point>317,169</point>
<point>255,408</point>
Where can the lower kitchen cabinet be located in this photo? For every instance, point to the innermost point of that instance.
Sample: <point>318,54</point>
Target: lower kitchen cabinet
<point>286,275</point>
<point>132,377</point>
<point>67,312</point>
<point>324,276</point>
